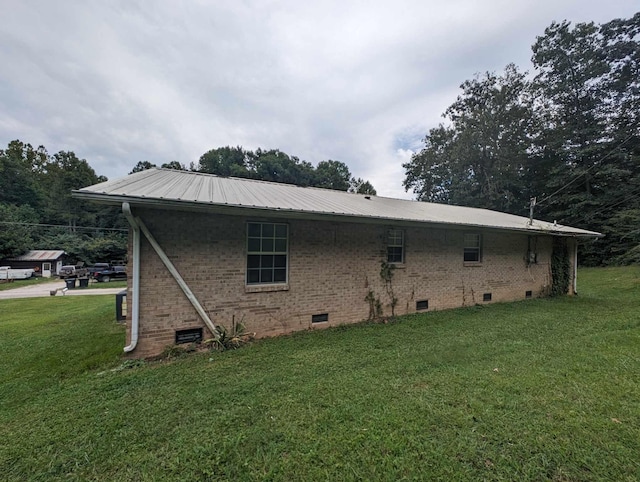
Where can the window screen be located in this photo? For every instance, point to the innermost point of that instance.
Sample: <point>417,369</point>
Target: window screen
<point>267,253</point>
<point>395,246</point>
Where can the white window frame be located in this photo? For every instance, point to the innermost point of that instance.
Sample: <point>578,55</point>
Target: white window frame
<point>472,244</point>
<point>395,238</point>
<point>263,253</point>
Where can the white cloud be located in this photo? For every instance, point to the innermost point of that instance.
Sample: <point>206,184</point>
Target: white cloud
<point>361,82</point>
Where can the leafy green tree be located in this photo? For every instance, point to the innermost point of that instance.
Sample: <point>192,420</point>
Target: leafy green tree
<point>20,164</point>
<point>333,175</point>
<point>225,161</point>
<point>588,80</point>
<point>73,243</point>
<point>277,166</point>
<point>174,165</point>
<point>480,158</point>
<point>570,64</point>
<point>16,230</point>
<point>64,173</point>
<point>142,166</point>
<point>570,138</point>
<point>361,187</point>
<point>35,193</point>
<point>105,248</point>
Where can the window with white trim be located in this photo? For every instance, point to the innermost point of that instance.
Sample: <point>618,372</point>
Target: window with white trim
<point>472,247</point>
<point>267,253</point>
<point>395,246</point>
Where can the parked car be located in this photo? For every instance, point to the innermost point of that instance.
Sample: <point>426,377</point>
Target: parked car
<point>108,273</point>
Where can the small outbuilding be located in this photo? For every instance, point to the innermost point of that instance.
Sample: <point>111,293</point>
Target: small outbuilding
<point>45,263</point>
<point>209,250</point>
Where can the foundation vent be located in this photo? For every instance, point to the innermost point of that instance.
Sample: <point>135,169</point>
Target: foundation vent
<point>528,294</point>
<point>486,297</point>
<point>320,318</point>
<point>192,335</point>
<point>422,305</point>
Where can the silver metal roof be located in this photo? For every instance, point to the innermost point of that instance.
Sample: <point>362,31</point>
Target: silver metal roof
<point>39,255</point>
<point>192,190</point>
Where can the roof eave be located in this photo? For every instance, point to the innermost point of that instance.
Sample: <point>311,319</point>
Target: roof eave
<point>261,211</point>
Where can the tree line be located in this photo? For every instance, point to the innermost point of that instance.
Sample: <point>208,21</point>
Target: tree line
<point>566,135</point>
<point>272,165</point>
<point>37,210</point>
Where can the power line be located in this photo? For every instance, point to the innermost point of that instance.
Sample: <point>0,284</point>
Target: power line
<point>95,228</point>
<point>625,197</point>
<point>631,136</point>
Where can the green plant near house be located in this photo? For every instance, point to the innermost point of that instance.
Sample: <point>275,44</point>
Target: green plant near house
<point>230,339</point>
<point>560,268</point>
<point>375,305</point>
<point>387,271</point>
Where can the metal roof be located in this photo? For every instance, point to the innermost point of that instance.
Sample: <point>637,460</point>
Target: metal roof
<point>40,255</point>
<point>193,190</point>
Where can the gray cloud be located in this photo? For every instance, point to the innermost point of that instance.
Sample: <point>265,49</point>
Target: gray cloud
<point>360,82</point>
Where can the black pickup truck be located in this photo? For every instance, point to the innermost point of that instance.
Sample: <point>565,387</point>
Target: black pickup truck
<point>104,273</point>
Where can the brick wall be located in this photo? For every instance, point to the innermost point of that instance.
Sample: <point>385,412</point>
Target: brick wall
<point>332,268</point>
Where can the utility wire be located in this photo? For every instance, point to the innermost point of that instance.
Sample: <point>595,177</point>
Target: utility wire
<point>596,164</point>
<point>62,226</point>
<point>626,197</point>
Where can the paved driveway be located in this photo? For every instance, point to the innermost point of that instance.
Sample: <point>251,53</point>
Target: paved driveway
<point>44,289</point>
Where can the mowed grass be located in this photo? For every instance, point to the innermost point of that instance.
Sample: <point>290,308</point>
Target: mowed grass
<point>110,284</point>
<point>536,390</point>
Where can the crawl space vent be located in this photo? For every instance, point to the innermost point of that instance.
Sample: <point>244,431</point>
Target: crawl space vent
<point>191,335</point>
<point>486,297</point>
<point>320,318</point>
<point>422,305</point>
<point>528,294</point>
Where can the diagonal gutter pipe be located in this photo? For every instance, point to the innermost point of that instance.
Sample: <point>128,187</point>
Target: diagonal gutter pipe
<point>135,290</point>
<point>138,226</point>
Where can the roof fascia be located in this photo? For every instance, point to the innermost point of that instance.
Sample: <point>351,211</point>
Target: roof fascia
<point>247,211</point>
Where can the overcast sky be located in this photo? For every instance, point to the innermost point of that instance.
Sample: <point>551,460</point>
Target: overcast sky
<point>361,82</point>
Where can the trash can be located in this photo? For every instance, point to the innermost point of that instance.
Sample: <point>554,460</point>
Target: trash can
<point>71,283</point>
<point>121,306</point>
<point>84,282</point>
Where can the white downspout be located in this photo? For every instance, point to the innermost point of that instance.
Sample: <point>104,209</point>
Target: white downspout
<point>135,290</point>
<point>575,266</point>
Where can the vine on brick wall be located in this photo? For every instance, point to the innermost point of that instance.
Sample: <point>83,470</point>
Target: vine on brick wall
<point>375,306</point>
<point>386,273</point>
<point>560,268</point>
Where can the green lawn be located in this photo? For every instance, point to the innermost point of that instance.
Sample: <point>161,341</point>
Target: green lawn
<point>110,284</point>
<point>535,390</point>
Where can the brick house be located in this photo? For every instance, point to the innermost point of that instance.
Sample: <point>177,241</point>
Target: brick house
<point>210,250</point>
